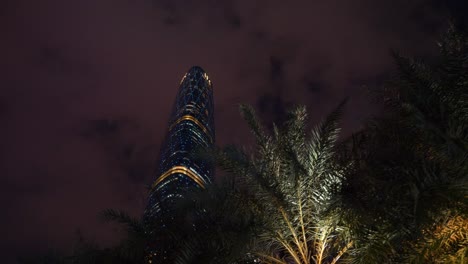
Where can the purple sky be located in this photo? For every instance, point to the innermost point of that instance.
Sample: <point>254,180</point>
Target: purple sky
<point>87,86</point>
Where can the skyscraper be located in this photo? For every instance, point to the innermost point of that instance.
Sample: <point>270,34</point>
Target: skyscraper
<point>190,128</point>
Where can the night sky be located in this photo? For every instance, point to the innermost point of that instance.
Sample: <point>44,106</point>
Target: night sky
<point>87,87</point>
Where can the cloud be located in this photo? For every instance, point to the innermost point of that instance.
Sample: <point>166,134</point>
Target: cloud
<point>215,14</point>
<point>58,60</point>
<point>128,145</point>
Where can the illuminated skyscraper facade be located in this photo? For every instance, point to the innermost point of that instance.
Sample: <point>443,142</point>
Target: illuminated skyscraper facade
<point>190,128</point>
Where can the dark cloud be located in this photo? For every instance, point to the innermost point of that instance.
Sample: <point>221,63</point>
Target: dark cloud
<point>102,128</point>
<point>315,86</point>
<point>127,144</point>
<point>457,9</point>
<point>272,107</point>
<point>428,24</point>
<point>59,61</point>
<point>53,58</point>
<point>233,19</point>
<point>3,108</point>
<point>314,78</point>
<point>221,14</point>
<point>276,69</point>
<point>259,35</point>
<point>33,187</point>
<point>272,104</point>
<point>376,80</point>
<point>5,7</point>
<point>170,15</point>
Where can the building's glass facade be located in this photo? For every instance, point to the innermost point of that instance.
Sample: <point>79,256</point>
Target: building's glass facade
<point>190,128</point>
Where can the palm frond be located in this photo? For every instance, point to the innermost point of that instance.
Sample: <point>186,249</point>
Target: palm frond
<point>121,217</point>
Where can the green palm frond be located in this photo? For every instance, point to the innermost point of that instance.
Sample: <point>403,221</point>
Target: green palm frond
<point>249,116</point>
<point>121,217</point>
<point>301,174</point>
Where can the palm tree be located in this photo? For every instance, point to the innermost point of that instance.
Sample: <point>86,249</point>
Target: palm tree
<point>291,179</point>
<point>409,184</point>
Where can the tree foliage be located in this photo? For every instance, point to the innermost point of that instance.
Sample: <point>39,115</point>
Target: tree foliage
<point>291,176</point>
<point>411,171</point>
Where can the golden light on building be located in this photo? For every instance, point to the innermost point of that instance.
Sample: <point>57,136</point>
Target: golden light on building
<point>194,120</point>
<point>182,170</point>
